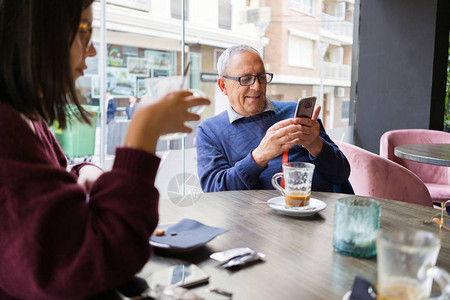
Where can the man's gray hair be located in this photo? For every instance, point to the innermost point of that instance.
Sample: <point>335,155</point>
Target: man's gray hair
<point>224,59</point>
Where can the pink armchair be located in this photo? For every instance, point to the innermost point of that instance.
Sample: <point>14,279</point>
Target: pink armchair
<point>436,178</point>
<point>374,176</point>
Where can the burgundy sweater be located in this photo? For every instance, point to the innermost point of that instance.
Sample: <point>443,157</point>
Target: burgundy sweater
<point>54,244</point>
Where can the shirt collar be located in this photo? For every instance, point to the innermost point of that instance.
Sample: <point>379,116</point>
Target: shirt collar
<point>233,116</point>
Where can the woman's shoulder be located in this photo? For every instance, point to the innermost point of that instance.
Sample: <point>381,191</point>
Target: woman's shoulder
<point>8,115</point>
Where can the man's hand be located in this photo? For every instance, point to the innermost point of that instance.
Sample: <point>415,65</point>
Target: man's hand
<point>308,136</point>
<point>285,134</point>
<point>279,137</point>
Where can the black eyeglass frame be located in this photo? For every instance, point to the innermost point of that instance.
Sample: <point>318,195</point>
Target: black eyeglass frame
<point>238,79</point>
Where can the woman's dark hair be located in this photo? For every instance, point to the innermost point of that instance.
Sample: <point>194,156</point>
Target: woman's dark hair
<point>35,72</point>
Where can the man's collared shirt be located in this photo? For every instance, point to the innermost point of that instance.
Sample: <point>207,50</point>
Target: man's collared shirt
<point>233,116</point>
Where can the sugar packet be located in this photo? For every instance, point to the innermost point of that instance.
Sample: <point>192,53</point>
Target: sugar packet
<point>236,257</point>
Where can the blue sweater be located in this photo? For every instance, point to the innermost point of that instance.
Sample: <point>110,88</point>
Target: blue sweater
<point>224,154</point>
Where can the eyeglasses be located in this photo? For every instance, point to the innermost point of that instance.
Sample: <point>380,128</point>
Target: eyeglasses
<point>85,34</point>
<point>445,207</point>
<point>250,79</point>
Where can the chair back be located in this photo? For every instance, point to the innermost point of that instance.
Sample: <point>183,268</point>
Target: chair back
<point>428,173</point>
<point>374,176</point>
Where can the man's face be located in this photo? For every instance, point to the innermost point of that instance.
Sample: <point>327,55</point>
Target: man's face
<point>245,100</point>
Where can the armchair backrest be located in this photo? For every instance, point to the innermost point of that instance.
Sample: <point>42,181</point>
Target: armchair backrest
<point>428,173</point>
<point>374,176</point>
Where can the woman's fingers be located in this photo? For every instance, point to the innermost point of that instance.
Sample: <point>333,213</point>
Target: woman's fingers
<point>196,101</point>
<point>192,116</point>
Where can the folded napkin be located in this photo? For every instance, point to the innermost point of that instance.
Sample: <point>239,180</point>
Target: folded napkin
<point>187,234</point>
<point>362,290</point>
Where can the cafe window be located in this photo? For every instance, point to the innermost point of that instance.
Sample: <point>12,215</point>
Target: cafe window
<point>138,51</point>
<point>304,6</point>
<point>176,9</point>
<point>300,51</point>
<point>345,109</point>
<point>225,14</point>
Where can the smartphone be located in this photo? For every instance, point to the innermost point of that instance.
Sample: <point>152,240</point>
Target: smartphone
<point>184,275</point>
<point>305,107</point>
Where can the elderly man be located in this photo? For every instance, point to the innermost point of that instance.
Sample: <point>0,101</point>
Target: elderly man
<point>241,148</point>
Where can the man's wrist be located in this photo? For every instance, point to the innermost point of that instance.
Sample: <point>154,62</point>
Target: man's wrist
<point>260,162</point>
<point>316,147</point>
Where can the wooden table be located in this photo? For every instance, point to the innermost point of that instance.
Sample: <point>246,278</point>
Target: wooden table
<point>300,261</point>
<point>433,154</point>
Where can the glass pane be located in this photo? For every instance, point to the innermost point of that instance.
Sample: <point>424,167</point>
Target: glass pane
<point>447,95</point>
<point>307,44</point>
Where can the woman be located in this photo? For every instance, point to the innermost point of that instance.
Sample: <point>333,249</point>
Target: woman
<point>54,244</point>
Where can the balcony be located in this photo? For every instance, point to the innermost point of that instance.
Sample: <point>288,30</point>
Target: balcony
<point>337,25</point>
<point>336,71</point>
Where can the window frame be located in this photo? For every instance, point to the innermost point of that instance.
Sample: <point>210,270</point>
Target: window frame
<point>299,6</point>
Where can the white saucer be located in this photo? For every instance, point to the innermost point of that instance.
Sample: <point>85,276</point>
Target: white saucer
<point>314,207</point>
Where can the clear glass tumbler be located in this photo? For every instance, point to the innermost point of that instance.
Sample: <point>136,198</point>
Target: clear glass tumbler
<point>406,265</point>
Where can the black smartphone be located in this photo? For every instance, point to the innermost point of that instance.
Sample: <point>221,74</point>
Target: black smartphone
<point>184,275</point>
<point>305,107</point>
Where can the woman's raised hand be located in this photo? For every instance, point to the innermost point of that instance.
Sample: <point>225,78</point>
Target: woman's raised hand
<point>168,115</point>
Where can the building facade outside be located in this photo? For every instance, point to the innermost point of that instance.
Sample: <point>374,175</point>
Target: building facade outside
<point>310,51</point>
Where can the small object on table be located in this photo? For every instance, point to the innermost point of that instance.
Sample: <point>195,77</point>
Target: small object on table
<point>243,260</point>
<point>173,233</point>
<point>159,232</point>
<point>237,257</point>
<point>224,256</point>
<point>213,289</point>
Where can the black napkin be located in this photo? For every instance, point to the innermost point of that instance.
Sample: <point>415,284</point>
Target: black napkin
<point>187,234</point>
<point>362,290</point>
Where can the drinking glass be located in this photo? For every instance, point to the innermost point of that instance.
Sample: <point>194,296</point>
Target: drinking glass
<point>406,265</point>
<point>356,220</point>
<point>297,183</point>
<point>158,87</point>
<point>199,108</point>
